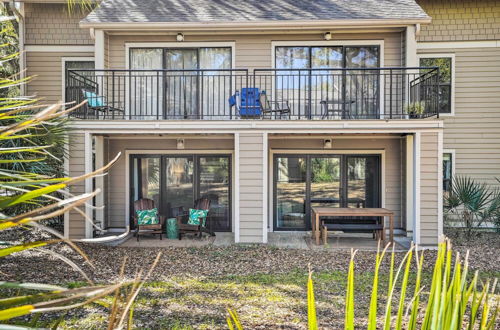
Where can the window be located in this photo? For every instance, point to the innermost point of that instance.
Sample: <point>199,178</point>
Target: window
<point>447,171</point>
<point>352,93</point>
<point>76,63</point>
<point>446,67</point>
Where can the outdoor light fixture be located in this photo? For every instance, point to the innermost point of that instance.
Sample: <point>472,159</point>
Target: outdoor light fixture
<point>180,143</point>
<point>180,37</point>
<point>327,36</point>
<point>327,143</point>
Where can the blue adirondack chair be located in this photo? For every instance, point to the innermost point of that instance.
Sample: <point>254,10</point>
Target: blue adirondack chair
<point>247,103</point>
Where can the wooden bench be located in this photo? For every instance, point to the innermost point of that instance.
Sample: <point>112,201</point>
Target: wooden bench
<point>376,228</point>
<point>318,212</point>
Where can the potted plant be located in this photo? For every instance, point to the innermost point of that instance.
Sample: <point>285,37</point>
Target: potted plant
<point>415,109</point>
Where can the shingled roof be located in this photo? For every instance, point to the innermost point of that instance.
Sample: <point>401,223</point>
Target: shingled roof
<point>248,11</point>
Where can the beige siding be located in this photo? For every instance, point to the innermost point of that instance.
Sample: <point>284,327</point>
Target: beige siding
<point>52,24</point>
<point>46,68</point>
<point>254,51</point>
<point>251,187</point>
<point>77,168</point>
<point>474,131</point>
<point>392,148</point>
<point>460,20</point>
<point>117,189</point>
<point>429,167</point>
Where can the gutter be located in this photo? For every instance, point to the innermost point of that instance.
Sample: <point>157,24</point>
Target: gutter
<point>255,25</point>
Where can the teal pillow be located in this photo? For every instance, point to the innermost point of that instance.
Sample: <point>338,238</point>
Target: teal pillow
<point>195,215</point>
<point>93,99</point>
<point>147,217</point>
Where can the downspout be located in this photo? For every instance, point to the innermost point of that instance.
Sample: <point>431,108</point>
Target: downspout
<point>21,37</point>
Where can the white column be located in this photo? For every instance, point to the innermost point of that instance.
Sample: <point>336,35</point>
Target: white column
<point>88,183</point>
<point>411,47</point>
<point>99,49</point>
<point>236,180</point>
<point>265,157</point>
<point>416,185</point>
<point>410,188</point>
<point>440,185</point>
<point>99,181</point>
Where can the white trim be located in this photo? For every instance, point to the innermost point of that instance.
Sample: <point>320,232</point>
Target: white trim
<point>231,126</point>
<point>265,153</point>
<point>129,152</point>
<point>66,173</point>
<point>57,48</point>
<point>453,80</point>
<point>236,202</point>
<point>410,184</point>
<point>258,25</point>
<point>416,184</point>
<point>88,182</point>
<point>458,44</point>
<point>453,160</point>
<point>440,186</point>
<point>63,70</point>
<point>337,42</point>
<point>99,49</point>
<point>184,44</point>
<point>99,181</point>
<point>380,152</point>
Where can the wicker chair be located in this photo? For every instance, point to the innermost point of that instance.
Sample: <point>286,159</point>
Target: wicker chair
<point>147,204</point>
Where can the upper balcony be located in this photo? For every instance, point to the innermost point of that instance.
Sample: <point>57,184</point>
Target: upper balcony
<point>238,94</point>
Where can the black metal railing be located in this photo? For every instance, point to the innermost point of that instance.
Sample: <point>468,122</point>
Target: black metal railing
<point>327,94</point>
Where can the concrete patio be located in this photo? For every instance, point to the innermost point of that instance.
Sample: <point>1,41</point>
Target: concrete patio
<point>286,240</point>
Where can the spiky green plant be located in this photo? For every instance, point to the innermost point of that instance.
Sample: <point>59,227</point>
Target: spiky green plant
<point>22,119</point>
<point>454,300</point>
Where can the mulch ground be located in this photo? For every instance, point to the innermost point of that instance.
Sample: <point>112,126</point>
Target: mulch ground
<point>191,287</point>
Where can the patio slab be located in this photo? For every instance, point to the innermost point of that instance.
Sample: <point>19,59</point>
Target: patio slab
<point>145,241</point>
<point>288,240</point>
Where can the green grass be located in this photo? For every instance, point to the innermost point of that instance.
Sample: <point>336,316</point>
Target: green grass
<point>259,299</point>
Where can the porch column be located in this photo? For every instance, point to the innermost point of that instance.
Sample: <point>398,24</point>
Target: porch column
<point>411,47</point>
<point>410,186</point>
<point>99,181</point>
<point>251,187</point>
<point>88,182</point>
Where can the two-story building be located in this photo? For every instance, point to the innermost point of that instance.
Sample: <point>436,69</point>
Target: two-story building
<point>271,108</point>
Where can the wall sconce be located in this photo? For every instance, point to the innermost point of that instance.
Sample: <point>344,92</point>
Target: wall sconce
<point>180,143</point>
<point>327,36</point>
<point>327,143</point>
<point>179,37</point>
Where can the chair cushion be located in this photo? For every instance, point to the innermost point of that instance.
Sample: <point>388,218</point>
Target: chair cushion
<point>93,99</point>
<point>147,217</point>
<point>195,215</point>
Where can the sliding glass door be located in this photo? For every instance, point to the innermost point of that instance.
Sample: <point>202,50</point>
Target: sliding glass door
<point>181,91</point>
<point>305,181</point>
<point>175,182</point>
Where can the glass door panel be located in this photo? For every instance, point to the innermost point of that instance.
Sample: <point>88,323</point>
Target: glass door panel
<point>290,187</point>
<point>214,184</point>
<point>325,182</point>
<point>145,101</point>
<point>145,180</point>
<point>362,87</point>
<point>326,85</point>
<point>181,86</point>
<point>179,183</point>
<point>363,187</point>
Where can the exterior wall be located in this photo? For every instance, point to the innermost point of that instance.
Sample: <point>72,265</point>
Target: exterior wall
<point>391,145</point>
<point>459,20</point>
<point>430,168</point>
<point>251,200</point>
<point>46,68</point>
<point>474,131</point>
<point>117,190</point>
<point>52,24</point>
<point>76,168</point>
<point>254,51</point>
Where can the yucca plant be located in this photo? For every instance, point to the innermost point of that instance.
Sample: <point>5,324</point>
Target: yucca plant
<point>28,197</point>
<point>455,301</point>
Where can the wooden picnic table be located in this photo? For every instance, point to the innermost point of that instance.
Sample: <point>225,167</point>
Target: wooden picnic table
<point>318,212</point>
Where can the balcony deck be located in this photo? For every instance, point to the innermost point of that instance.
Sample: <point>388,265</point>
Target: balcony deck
<point>239,94</point>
